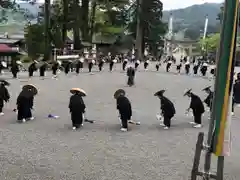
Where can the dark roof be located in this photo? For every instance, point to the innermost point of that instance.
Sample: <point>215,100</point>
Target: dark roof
<point>9,41</point>
<point>97,39</point>
<point>13,36</point>
<point>183,41</point>
<point>104,39</point>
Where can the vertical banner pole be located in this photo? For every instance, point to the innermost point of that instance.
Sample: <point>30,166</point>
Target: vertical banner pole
<point>223,87</point>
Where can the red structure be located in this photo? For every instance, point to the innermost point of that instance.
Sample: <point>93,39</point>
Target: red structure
<point>5,48</point>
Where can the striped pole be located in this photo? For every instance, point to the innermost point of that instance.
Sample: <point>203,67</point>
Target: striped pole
<point>224,79</point>
<point>205,28</point>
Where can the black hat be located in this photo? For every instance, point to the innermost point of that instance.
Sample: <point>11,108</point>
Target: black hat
<point>187,92</point>
<point>207,88</point>
<point>159,93</point>
<point>118,93</point>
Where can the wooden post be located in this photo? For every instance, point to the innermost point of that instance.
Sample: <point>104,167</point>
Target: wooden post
<point>197,156</point>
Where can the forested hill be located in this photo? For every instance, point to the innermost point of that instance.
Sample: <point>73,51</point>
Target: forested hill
<point>194,16</point>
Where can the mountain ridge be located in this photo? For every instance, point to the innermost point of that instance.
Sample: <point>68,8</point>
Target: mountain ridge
<point>195,14</point>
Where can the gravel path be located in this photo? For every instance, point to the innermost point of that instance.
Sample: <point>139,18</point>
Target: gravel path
<point>47,149</point>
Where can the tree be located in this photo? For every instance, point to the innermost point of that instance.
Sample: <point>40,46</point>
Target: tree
<point>6,5</point>
<point>34,38</point>
<point>151,22</point>
<point>210,44</point>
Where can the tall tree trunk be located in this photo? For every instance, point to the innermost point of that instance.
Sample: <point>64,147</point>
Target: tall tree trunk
<point>139,35</point>
<point>92,21</point>
<point>64,26</point>
<point>143,41</point>
<point>47,43</point>
<point>76,28</point>
<point>85,19</point>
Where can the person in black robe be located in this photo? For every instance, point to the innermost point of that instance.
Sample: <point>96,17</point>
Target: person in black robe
<point>197,107</point>
<point>4,96</point>
<point>1,67</point>
<point>209,98</point>
<point>204,69</point>
<point>124,64</point>
<point>14,69</point>
<point>137,64</point>
<point>90,65</point>
<point>55,67</point>
<point>100,64</point>
<point>179,66</point>
<point>194,60</point>
<point>79,65</point>
<point>77,109</point>
<point>42,70</point>
<point>236,92</point>
<point>187,67</point>
<point>31,69</point>
<point>131,75</point>
<point>195,69</point>
<point>169,63</point>
<point>25,103</point>
<point>185,59</point>
<point>124,107</point>
<point>111,65</point>
<point>158,65</point>
<point>173,59</point>
<point>212,71</point>
<point>67,67</point>
<point>167,107</point>
<point>72,67</point>
<point>146,63</point>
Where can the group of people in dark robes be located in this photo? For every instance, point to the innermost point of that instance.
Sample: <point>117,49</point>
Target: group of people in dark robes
<point>77,108</point>
<point>235,98</point>
<point>24,102</point>
<point>203,66</point>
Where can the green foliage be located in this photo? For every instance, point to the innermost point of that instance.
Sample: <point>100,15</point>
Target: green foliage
<point>34,38</point>
<point>25,59</point>
<point>10,12</point>
<point>111,17</point>
<point>211,43</point>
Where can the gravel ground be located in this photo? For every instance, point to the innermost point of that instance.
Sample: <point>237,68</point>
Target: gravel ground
<point>47,149</point>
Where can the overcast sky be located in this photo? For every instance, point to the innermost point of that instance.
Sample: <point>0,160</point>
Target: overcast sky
<point>175,4</point>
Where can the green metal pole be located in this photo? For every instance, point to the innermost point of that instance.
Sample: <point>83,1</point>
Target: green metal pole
<point>225,66</point>
<point>225,71</point>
